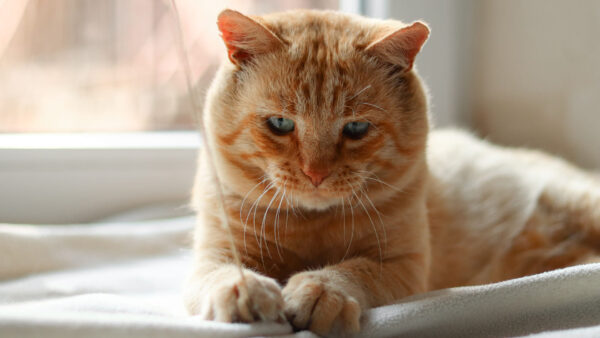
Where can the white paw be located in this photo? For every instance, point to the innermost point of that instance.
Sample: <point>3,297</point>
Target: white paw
<point>227,301</point>
<point>313,302</point>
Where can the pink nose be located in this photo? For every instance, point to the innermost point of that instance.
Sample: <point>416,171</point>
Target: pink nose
<point>316,175</point>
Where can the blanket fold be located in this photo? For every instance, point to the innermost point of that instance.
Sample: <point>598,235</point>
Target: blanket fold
<point>123,279</point>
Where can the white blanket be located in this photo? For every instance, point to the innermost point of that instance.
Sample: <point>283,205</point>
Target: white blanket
<point>123,279</point>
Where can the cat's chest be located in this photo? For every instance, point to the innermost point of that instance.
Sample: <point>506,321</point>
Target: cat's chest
<point>319,244</point>
<point>300,241</point>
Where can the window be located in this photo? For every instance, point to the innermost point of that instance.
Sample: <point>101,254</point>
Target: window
<point>109,65</point>
<point>72,67</point>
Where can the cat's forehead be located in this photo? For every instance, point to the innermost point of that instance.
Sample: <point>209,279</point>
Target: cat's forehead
<point>322,71</point>
<point>319,85</point>
<point>324,95</point>
<point>315,32</point>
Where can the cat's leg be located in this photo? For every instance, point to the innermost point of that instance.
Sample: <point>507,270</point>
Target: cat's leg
<point>576,200</point>
<point>564,227</point>
<point>332,299</point>
<point>572,202</point>
<point>570,197</point>
<point>216,291</point>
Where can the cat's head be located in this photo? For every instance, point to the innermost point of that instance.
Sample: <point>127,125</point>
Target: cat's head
<point>318,106</point>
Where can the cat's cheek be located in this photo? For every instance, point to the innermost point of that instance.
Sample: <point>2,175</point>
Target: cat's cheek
<point>315,303</point>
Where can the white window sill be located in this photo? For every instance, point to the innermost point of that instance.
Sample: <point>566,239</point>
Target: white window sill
<point>74,178</point>
<point>139,140</point>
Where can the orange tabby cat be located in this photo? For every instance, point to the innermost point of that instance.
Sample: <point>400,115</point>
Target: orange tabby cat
<point>336,191</point>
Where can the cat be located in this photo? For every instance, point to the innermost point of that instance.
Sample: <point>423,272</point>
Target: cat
<point>338,195</point>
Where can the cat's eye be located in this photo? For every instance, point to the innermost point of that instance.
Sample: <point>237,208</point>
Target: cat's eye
<point>280,125</point>
<point>356,130</point>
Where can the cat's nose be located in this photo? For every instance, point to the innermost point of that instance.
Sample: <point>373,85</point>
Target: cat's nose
<point>316,176</point>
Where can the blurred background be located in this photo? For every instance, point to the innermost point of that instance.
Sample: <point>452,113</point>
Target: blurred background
<point>108,65</point>
<point>520,73</point>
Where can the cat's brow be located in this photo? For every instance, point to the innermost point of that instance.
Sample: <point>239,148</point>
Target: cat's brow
<point>372,105</point>
<point>268,111</point>
<point>355,111</point>
<point>358,93</point>
<point>351,108</point>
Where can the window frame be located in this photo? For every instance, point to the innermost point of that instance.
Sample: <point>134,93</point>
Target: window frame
<point>77,178</point>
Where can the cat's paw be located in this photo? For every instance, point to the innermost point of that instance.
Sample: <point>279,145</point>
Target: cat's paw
<point>227,301</point>
<point>314,302</point>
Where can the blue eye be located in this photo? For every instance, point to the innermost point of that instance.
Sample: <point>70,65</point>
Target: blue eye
<point>280,125</point>
<point>356,130</point>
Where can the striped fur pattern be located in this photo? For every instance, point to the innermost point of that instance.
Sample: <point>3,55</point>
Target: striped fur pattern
<point>393,216</point>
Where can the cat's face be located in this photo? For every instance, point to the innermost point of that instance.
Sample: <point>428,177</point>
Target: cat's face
<point>316,112</point>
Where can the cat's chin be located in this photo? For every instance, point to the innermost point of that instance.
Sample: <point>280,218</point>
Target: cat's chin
<point>317,202</point>
<point>316,205</point>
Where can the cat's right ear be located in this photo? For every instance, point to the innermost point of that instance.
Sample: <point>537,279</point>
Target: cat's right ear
<point>401,46</point>
<point>245,37</point>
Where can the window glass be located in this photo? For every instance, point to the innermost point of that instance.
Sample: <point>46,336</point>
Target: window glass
<point>109,65</point>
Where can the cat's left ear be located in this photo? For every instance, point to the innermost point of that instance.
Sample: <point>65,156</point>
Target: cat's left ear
<point>245,37</point>
<point>401,46</point>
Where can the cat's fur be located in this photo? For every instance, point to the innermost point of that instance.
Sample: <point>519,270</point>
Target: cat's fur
<point>400,211</point>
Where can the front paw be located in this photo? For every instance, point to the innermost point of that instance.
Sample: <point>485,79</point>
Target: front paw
<point>314,302</point>
<point>226,300</point>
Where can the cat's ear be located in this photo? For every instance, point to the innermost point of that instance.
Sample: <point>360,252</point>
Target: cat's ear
<point>401,46</point>
<point>245,37</point>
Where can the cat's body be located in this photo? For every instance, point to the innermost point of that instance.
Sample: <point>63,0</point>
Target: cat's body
<point>348,217</point>
<point>513,212</point>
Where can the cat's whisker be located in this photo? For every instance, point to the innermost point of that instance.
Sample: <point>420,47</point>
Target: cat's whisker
<point>244,224</point>
<point>249,192</point>
<point>287,214</point>
<point>263,227</point>
<point>384,183</point>
<point>351,229</point>
<point>358,93</point>
<point>344,219</point>
<point>372,105</point>
<point>335,211</point>
<point>380,220</point>
<point>377,179</point>
<point>255,206</point>
<point>353,108</point>
<point>299,208</point>
<point>300,213</point>
<point>276,223</point>
<point>374,229</point>
<point>290,203</point>
<point>252,206</point>
<point>259,242</point>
